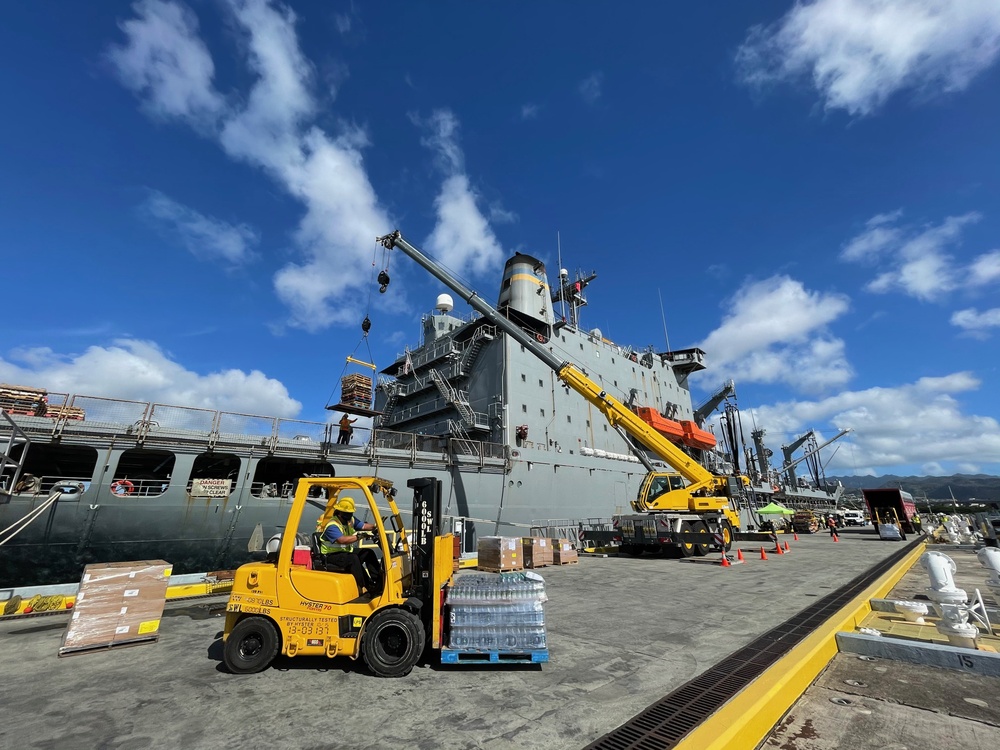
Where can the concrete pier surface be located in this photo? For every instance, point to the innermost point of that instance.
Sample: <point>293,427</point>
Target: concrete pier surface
<point>622,633</point>
<point>868,703</point>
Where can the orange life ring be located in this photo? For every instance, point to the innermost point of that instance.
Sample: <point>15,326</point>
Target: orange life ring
<point>775,487</point>
<point>122,487</point>
<point>540,337</point>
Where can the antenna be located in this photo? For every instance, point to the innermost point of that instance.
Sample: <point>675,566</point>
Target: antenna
<point>664,318</point>
<point>562,281</point>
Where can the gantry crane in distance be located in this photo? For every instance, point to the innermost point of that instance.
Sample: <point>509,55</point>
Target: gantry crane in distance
<point>682,510</point>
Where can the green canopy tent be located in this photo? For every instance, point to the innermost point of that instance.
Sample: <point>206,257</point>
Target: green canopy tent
<point>773,509</point>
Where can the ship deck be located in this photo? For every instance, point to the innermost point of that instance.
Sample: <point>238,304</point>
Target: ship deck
<point>622,633</point>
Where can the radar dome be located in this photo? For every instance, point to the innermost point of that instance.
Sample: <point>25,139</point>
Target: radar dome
<point>444,303</point>
<point>596,333</point>
<point>563,273</point>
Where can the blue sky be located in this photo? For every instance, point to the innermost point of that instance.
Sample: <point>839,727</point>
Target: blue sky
<point>190,192</point>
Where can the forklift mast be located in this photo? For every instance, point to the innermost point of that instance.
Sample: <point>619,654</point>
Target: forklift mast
<point>426,527</point>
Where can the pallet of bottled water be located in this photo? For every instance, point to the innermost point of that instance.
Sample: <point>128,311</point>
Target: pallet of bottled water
<point>496,618</point>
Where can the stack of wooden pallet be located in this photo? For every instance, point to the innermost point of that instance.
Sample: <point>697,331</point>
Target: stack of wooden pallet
<point>356,390</point>
<point>58,411</point>
<point>22,399</point>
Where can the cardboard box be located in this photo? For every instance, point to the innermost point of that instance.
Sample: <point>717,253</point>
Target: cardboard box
<point>118,604</point>
<point>499,553</point>
<point>563,552</point>
<point>537,552</point>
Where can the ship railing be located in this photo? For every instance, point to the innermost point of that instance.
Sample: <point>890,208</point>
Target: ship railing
<point>43,486</point>
<point>574,530</point>
<point>437,350</point>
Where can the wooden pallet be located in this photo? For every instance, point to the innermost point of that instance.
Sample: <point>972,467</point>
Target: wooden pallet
<point>566,562</point>
<point>73,651</point>
<point>536,656</point>
<point>499,568</point>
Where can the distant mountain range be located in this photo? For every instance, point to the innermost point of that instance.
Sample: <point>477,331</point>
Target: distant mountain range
<point>962,486</point>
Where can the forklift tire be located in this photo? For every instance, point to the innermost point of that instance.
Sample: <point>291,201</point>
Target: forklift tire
<point>630,550</point>
<point>251,646</point>
<point>393,642</point>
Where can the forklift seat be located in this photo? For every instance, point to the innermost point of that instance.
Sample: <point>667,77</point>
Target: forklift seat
<point>318,559</point>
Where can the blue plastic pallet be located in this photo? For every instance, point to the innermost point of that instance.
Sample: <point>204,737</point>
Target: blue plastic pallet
<point>452,656</point>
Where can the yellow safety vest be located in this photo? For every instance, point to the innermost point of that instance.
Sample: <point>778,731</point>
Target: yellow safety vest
<point>326,547</point>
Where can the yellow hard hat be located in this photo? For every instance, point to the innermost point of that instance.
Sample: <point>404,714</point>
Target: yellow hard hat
<point>345,505</point>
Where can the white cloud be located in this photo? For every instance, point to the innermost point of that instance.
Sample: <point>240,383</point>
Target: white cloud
<point>975,322</point>
<point>985,269</point>
<point>462,238</point>
<point>858,53</point>
<point>273,129</point>
<point>917,262</point>
<point>167,65</point>
<point>529,111</point>
<point>141,371</point>
<point>775,332</point>
<point>206,237</point>
<point>914,424</point>
<point>591,87</point>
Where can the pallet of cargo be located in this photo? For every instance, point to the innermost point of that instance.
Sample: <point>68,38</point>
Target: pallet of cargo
<point>452,656</point>
<point>565,562</point>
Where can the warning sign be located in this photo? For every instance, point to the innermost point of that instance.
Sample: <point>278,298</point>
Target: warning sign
<point>211,487</point>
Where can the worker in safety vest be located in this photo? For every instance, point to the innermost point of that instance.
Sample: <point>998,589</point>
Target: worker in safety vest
<point>337,546</point>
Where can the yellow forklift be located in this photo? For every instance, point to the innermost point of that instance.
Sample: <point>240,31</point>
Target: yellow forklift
<point>289,604</point>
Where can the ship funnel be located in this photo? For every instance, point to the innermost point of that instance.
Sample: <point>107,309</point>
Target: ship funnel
<point>525,295</point>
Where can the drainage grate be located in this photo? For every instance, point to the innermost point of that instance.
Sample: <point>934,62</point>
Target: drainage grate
<point>667,721</point>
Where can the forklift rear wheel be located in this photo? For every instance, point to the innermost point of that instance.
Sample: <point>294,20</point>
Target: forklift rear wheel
<point>251,646</point>
<point>393,642</point>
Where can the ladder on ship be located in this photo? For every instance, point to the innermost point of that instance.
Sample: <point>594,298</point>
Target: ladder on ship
<point>478,341</point>
<point>10,467</point>
<point>460,438</point>
<point>452,397</point>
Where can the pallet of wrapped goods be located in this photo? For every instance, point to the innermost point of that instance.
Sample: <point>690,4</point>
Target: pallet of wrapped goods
<point>495,618</point>
<point>563,552</point>
<point>537,551</point>
<point>499,554</point>
<point>118,604</point>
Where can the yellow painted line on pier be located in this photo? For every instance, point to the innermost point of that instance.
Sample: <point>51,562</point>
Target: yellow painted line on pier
<point>747,719</point>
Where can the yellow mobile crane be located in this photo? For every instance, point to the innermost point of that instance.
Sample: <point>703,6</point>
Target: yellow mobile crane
<point>685,509</point>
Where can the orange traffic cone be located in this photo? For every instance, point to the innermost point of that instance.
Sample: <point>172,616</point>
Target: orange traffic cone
<point>836,538</point>
<point>786,547</point>
<point>739,555</point>
<point>763,554</point>
<point>725,561</point>
<point>777,548</point>
<point>795,536</point>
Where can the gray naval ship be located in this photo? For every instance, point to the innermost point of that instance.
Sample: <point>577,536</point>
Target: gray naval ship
<point>85,479</point>
<point>88,479</point>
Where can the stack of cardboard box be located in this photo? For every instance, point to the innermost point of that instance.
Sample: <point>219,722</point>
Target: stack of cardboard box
<point>563,552</point>
<point>537,551</point>
<point>499,554</point>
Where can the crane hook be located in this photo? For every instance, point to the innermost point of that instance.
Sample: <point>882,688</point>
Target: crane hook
<point>366,325</point>
<point>383,280</point>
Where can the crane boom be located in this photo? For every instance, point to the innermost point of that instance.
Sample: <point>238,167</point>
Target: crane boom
<point>701,482</point>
